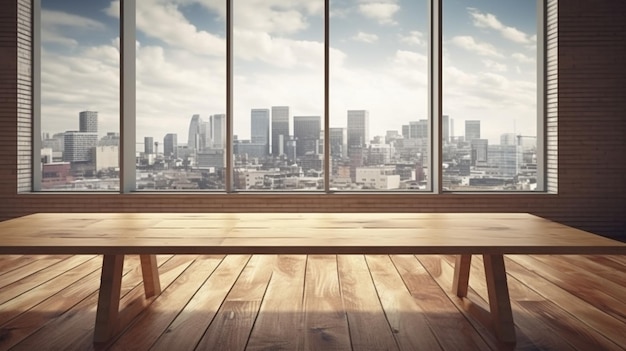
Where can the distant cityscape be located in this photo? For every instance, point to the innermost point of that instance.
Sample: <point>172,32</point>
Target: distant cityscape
<point>275,159</point>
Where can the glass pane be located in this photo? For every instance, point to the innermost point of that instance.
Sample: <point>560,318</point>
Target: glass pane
<point>490,95</point>
<point>181,95</point>
<point>278,97</point>
<point>379,136</point>
<point>79,95</point>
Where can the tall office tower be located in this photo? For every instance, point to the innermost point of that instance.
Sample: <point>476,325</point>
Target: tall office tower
<point>88,121</point>
<point>260,127</point>
<point>218,131</point>
<point>205,135</point>
<point>508,139</point>
<point>280,126</point>
<point>418,129</point>
<point>406,131</point>
<point>479,151</point>
<point>472,130</point>
<point>338,142</point>
<point>170,145</point>
<point>445,126</point>
<point>79,146</point>
<point>193,142</point>
<point>148,145</point>
<point>358,129</point>
<point>306,130</point>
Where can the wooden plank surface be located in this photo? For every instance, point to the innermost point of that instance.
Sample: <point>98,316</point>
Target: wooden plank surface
<point>280,320</point>
<point>547,315</point>
<point>239,310</point>
<point>325,319</point>
<point>296,233</point>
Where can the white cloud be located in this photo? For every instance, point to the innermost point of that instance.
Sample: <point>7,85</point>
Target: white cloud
<point>365,37</point>
<point>54,25</point>
<point>498,100</point>
<point>279,52</point>
<point>383,12</point>
<point>523,58</point>
<point>495,66</point>
<point>488,20</point>
<point>470,44</point>
<point>413,38</point>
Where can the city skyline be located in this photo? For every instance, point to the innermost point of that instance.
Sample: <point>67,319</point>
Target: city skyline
<point>494,82</point>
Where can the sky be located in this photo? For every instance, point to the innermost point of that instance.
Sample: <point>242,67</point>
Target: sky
<point>378,62</point>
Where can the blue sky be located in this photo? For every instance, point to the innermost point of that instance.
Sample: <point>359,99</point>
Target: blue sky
<point>378,62</point>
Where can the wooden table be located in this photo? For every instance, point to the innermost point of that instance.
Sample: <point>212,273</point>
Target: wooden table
<point>147,234</point>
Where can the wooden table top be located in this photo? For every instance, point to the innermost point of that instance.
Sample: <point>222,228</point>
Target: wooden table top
<point>296,233</point>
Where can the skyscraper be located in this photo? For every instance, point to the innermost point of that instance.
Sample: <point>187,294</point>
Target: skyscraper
<point>260,127</point>
<point>88,121</point>
<point>148,145</point>
<point>418,129</point>
<point>193,142</point>
<point>338,142</point>
<point>306,130</point>
<point>218,131</point>
<point>472,130</point>
<point>170,145</point>
<point>358,129</point>
<point>280,126</point>
<point>79,146</point>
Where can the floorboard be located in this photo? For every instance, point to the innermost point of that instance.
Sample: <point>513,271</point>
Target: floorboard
<point>315,302</point>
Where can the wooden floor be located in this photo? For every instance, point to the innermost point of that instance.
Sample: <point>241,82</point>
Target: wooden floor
<point>299,302</point>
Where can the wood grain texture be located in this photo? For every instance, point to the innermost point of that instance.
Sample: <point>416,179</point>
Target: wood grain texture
<point>280,322</point>
<point>406,318</point>
<point>109,297</point>
<point>369,329</point>
<point>63,318</point>
<point>451,328</point>
<point>239,310</point>
<point>190,324</point>
<point>296,233</point>
<point>325,318</point>
<point>461,275</point>
<point>150,273</point>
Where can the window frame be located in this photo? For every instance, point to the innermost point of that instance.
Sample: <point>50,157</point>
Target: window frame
<point>546,162</point>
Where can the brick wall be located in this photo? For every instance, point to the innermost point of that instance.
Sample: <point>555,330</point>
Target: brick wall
<point>585,108</point>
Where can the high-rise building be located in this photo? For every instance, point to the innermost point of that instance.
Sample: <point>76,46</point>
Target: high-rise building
<point>88,121</point>
<point>280,126</point>
<point>508,139</point>
<point>218,131</point>
<point>79,146</point>
<point>418,129</point>
<point>338,142</point>
<point>472,130</point>
<point>148,145</point>
<point>358,129</point>
<point>193,142</point>
<point>306,130</point>
<point>170,145</point>
<point>260,127</point>
<point>479,153</point>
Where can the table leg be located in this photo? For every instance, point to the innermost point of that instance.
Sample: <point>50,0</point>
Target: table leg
<point>150,272</point>
<point>109,297</point>
<point>461,275</point>
<point>499,300</point>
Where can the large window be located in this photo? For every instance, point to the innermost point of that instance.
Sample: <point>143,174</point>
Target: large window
<point>380,135</point>
<point>307,95</point>
<point>180,96</point>
<point>79,95</point>
<point>490,102</point>
<point>278,95</point>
